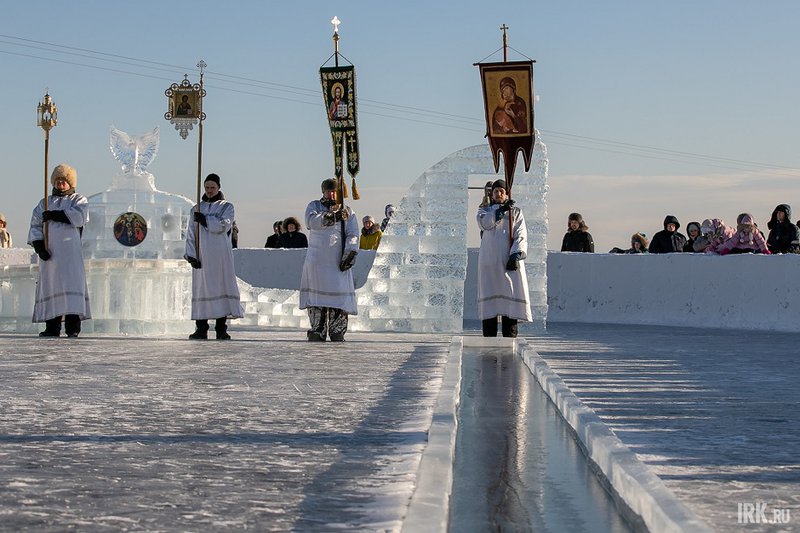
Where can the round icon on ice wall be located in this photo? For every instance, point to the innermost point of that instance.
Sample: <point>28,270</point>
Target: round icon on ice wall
<point>130,229</point>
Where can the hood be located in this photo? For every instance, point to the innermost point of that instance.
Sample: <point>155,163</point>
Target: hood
<point>672,219</point>
<point>774,219</point>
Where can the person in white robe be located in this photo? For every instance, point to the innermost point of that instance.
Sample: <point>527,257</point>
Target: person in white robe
<point>327,290</point>
<point>502,285</point>
<point>61,290</point>
<point>215,292</point>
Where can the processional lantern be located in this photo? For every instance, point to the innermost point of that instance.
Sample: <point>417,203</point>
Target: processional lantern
<point>185,109</point>
<point>46,113</point>
<point>47,119</point>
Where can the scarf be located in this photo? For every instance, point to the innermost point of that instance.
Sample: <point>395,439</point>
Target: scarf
<point>217,197</point>
<point>68,192</point>
<point>366,232</point>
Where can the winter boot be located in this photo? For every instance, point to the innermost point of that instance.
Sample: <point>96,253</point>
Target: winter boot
<point>222,329</point>
<point>509,327</point>
<point>201,332</point>
<point>315,336</point>
<point>52,328</point>
<point>489,327</point>
<point>72,325</point>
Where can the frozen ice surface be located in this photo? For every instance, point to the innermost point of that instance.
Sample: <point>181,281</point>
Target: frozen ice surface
<point>716,415</point>
<point>266,432</point>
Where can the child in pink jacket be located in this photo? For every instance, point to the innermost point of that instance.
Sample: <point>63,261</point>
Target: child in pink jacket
<point>714,233</point>
<point>747,239</point>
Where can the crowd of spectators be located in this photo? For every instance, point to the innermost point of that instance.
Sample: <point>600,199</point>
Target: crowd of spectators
<point>712,236</point>
<point>287,233</point>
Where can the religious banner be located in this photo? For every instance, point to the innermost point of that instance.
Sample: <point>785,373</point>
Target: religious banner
<point>508,102</point>
<point>185,105</point>
<point>339,94</point>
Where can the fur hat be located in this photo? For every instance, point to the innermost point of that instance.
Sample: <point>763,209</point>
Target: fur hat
<point>577,217</point>
<point>366,218</point>
<point>212,177</point>
<point>291,220</point>
<point>641,238</point>
<point>65,171</point>
<point>328,184</point>
<point>499,184</point>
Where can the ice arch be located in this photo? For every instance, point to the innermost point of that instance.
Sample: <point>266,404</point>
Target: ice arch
<point>416,283</point>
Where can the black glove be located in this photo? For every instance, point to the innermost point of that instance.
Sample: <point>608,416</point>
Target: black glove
<point>194,262</point>
<point>41,251</point>
<point>55,216</point>
<point>513,261</point>
<point>201,218</point>
<point>507,205</point>
<point>331,217</point>
<point>348,261</point>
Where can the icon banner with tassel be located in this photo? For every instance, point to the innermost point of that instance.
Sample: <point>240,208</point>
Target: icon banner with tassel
<point>339,93</point>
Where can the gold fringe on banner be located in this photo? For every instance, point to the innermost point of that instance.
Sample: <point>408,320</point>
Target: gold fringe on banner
<point>356,196</point>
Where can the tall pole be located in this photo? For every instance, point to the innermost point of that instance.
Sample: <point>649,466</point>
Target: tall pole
<point>46,118</point>
<point>511,210</point>
<point>202,66</point>
<point>505,43</point>
<point>339,179</point>
<point>46,190</point>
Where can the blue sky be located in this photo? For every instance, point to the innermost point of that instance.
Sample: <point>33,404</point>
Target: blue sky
<point>647,108</point>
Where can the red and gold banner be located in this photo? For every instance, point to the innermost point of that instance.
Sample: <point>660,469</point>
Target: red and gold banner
<point>508,102</point>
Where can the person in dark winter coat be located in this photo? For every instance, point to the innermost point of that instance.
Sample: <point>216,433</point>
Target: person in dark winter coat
<point>577,238</point>
<point>668,240</point>
<point>273,241</point>
<point>694,232</point>
<point>389,212</point>
<point>292,237</point>
<point>234,235</point>
<point>784,237</point>
<point>638,245</point>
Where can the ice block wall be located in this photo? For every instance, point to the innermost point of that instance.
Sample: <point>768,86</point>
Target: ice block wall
<point>416,283</point>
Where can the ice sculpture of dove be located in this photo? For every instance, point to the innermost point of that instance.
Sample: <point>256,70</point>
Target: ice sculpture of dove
<point>134,152</point>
